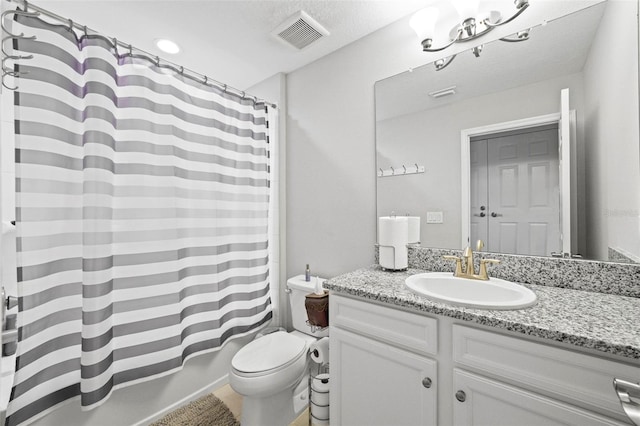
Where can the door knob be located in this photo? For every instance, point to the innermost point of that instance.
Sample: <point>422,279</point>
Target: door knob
<point>426,382</point>
<point>494,214</point>
<point>481,214</point>
<point>461,396</point>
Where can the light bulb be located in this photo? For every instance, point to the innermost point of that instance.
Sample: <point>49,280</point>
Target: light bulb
<point>423,22</point>
<point>466,8</point>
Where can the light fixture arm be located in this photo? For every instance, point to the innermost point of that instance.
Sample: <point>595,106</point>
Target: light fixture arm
<point>441,64</point>
<point>520,36</point>
<point>426,44</point>
<point>523,6</point>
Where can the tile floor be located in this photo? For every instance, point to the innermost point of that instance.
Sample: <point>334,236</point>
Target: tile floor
<point>234,402</point>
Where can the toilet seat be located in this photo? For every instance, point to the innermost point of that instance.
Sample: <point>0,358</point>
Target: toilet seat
<point>268,354</point>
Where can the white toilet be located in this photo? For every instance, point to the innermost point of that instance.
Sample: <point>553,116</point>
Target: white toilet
<point>271,371</point>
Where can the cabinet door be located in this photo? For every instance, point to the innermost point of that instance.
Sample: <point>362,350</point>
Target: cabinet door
<point>373,383</point>
<point>488,402</point>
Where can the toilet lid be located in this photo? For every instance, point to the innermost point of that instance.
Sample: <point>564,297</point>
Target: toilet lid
<point>268,352</point>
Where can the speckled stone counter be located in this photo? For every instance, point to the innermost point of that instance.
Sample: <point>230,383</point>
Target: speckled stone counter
<point>604,322</point>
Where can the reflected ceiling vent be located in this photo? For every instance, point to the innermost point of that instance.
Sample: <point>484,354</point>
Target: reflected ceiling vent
<point>443,92</point>
<point>299,31</point>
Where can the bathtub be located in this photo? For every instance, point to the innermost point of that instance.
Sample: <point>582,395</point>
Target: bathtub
<point>9,282</point>
<point>6,382</point>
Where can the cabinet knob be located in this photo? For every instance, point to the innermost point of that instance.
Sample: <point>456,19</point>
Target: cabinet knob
<point>426,382</point>
<point>461,396</point>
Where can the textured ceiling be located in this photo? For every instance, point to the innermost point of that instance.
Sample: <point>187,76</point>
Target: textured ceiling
<point>230,41</point>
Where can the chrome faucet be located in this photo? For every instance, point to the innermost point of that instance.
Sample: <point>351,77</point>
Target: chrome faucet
<point>469,270</point>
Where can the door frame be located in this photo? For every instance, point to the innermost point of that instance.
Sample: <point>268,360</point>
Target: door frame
<point>465,159</point>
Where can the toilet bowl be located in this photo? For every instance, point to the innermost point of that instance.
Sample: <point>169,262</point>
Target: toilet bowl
<point>269,364</point>
<point>271,372</point>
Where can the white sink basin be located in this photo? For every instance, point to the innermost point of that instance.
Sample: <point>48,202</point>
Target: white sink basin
<point>492,294</point>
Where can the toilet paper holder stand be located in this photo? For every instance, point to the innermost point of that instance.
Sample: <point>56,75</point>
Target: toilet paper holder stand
<point>314,371</point>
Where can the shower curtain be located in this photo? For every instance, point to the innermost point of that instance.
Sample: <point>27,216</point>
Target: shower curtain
<point>142,200</point>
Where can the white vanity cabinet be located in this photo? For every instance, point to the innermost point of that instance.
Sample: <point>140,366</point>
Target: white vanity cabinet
<point>381,371</point>
<point>380,355</point>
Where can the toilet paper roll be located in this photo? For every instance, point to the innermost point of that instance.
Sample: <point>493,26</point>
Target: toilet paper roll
<point>320,413</point>
<point>320,390</point>
<point>320,351</point>
<point>393,237</point>
<point>414,229</point>
<point>393,231</point>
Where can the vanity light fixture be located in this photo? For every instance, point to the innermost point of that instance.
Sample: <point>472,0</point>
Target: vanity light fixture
<point>167,46</point>
<point>471,24</point>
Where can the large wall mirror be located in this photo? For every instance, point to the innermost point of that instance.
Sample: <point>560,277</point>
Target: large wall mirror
<point>509,93</point>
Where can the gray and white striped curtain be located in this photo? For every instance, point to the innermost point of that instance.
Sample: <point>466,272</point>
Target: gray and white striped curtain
<point>142,219</point>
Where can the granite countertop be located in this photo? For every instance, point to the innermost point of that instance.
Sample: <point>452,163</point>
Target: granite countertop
<point>604,322</point>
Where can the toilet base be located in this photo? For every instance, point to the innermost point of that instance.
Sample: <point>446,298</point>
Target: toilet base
<point>274,410</point>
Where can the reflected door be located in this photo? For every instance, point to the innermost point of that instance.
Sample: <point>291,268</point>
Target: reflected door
<point>522,191</point>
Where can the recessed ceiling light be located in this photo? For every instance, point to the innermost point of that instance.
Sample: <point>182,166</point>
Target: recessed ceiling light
<point>167,46</point>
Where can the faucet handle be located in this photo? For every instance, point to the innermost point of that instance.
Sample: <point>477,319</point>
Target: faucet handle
<point>483,268</point>
<point>458,271</point>
<point>479,245</point>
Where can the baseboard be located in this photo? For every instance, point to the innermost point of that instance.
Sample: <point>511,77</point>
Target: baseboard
<point>184,401</point>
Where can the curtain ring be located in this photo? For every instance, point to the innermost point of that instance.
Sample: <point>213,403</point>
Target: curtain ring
<point>181,70</point>
<point>130,51</point>
<point>115,46</point>
<point>86,33</point>
<point>70,24</point>
<point>157,61</point>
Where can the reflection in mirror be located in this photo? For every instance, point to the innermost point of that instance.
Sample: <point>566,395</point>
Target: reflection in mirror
<point>593,53</point>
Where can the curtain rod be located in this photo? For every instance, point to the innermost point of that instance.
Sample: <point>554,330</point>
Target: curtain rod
<point>196,76</point>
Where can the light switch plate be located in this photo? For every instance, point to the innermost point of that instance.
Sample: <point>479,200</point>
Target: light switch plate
<point>435,217</point>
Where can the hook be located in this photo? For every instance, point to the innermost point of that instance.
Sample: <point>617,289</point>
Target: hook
<point>12,56</point>
<point>405,169</point>
<point>5,85</point>
<point>16,74</point>
<point>21,13</point>
<point>393,172</point>
<point>381,172</point>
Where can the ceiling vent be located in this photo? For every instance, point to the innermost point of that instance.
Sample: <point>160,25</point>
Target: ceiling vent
<point>299,31</point>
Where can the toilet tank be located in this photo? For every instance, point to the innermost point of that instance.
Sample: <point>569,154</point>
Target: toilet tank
<point>299,289</point>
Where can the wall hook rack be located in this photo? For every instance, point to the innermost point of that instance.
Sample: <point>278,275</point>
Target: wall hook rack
<point>401,171</point>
